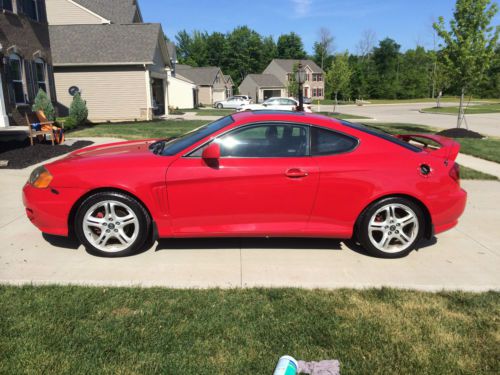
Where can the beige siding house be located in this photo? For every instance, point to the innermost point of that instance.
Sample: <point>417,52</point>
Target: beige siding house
<point>210,81</point>
<point>118,63</point>
<point>314,87</point>
<point>262,87</point>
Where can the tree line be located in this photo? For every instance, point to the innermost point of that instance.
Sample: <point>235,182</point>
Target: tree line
<point>378,70</point>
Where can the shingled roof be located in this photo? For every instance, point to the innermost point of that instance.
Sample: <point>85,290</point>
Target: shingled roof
<point>117,11</point>
<point>104,44</point>
<point>203,76</point>
<point>287,64</point>
<point>265,80</point>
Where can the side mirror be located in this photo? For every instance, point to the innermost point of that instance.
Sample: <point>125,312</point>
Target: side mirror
<point>212,152</point>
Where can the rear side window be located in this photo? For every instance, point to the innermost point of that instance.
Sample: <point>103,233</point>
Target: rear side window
<point>327,142</point>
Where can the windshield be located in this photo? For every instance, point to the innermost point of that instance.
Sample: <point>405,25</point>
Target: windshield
<point>176,145</point>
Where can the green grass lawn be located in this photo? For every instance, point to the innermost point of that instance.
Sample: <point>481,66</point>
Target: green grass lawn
<point>82,330</point>
<point>467,173</point>
<point>210,111</point>
<point>471,109</point>
<point>138,130</point>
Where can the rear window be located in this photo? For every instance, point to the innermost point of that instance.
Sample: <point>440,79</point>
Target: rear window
<point>327,142</point>
<point>380,134</point>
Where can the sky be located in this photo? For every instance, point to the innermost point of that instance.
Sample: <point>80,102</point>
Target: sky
<point>409,22</point>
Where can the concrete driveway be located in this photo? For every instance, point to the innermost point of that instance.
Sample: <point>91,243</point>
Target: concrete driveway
<point>487,124</point>
<point>467,257</point>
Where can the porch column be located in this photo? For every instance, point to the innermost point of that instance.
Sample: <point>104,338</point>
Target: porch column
<point>165,95</point>
<point>4,119</point>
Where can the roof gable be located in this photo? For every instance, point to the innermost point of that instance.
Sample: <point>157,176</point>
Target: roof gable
<point>265,80</point>
<point>117,44</point>
<point>117,11</point>
<point>203,76</point>
<point>287,64</point>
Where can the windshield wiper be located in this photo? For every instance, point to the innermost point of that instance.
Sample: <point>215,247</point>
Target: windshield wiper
<point>157,147</point>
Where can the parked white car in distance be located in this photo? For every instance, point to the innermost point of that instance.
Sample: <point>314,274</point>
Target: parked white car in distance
<point>232,102</point>
<point>275,103</point>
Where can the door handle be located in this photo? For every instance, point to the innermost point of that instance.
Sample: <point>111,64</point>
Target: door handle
<point>296,173</point>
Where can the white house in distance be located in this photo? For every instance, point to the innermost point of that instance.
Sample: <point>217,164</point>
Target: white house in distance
<point>104,50</point>
<point>262,87</point>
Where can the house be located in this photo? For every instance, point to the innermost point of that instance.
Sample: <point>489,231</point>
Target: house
<point>182,92</point>
<point>210,82</point>
<point>314,86</point>
<point>105,51</point>
<point>25,58</point>
<point>262,87</point>
<point>229,85</point>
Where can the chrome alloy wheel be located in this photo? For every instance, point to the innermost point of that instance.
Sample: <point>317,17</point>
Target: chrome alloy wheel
<point>110,226</point>
<point>393,228</point>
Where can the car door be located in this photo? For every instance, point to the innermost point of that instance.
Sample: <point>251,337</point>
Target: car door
<point>263,184</point>
<point>288,104</point>
<point>232,103</point>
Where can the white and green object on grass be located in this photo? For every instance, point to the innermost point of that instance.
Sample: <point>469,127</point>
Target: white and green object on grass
<point>286,366</point>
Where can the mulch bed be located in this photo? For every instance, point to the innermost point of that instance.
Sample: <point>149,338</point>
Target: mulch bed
<point>460,133</point>
<point>20,154</point>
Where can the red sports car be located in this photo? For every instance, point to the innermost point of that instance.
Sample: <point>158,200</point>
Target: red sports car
<point>260,174</point>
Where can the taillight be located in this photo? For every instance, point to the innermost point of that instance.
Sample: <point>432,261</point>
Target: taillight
<point>455,172</point>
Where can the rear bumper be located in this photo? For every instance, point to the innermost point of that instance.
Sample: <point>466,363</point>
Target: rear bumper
<point>48,209</point>
<point>447,211</point>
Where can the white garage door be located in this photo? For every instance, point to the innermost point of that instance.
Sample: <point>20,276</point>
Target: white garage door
<point>219,95</point>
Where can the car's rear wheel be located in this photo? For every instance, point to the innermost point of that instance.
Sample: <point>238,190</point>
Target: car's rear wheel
<point>220,106</point>
<point>391,227</point>
<point>112,224</point>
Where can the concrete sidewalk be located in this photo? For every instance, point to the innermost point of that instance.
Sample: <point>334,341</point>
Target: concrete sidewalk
<point>465,258</point>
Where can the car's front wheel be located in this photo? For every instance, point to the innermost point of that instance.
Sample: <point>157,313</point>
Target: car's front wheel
<point>391,227</point>
<point>112,224</point>
<point>220,106</point>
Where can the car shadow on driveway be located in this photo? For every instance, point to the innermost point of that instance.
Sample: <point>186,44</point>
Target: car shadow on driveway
<point>64,242</point>
<point>248,243</point>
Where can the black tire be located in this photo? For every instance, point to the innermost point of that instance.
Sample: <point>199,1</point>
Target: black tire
<point>220,106</point>
<point>142,216</point>
<point>363,224</point>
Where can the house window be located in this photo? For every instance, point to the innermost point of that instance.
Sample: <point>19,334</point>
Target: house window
<point>16,78</point>
<point>314,92</point>
<point>30,9</point>
<point>320,77</point>
<point>6,5</point>
<point>319,92</point>
<point>40,74</point>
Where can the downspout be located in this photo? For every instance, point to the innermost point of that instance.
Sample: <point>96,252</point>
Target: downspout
<point>4,119</point>
<point>149,89</point>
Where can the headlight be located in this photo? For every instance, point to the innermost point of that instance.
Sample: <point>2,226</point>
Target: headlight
<point>40,177</point>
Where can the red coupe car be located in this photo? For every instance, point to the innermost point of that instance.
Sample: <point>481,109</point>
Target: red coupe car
<point>253,174</point>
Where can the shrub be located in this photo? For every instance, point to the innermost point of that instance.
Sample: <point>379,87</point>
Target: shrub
<point>78,111</point>
<point>43,103</point>
<point>69,123</point>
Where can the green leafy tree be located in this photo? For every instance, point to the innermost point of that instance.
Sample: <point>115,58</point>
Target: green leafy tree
<point>386,58</point>
<point>415,74</point>
<point>78,112</point>
<point>339,76</point>
<point>469,44</point>
<point>290,46</point>
<point>43,103</point>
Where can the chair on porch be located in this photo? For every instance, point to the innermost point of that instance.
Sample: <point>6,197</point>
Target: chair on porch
<point>39,126</point>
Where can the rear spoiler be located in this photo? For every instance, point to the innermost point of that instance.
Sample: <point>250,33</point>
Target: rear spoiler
<point>449,148</point>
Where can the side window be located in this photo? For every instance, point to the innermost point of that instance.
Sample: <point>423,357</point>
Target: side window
<point>263,141</point>
<point>266,141</point>
<point>327,142</point>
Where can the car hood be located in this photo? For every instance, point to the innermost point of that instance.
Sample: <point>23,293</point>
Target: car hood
<point>114,149</point>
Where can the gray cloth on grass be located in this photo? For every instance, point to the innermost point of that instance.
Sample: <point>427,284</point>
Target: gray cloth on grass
<point>329,367</point>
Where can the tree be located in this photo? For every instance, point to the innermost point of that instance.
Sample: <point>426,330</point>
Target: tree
<point>323,47</point>
<point>469,44</point>
<point>43,103</point>
<point>415,74</point>
<point>290,46</point>
<point>386,59</point>
<point>339,76</point>
<point>366,43</point>
<point>78,111</point>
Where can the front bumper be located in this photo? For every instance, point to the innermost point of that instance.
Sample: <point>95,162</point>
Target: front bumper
<point>48,209</point>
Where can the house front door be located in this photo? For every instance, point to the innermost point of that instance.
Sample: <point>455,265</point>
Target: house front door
<point>306,92</point>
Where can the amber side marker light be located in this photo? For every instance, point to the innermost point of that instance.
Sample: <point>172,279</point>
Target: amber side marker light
<point>40,178</point>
